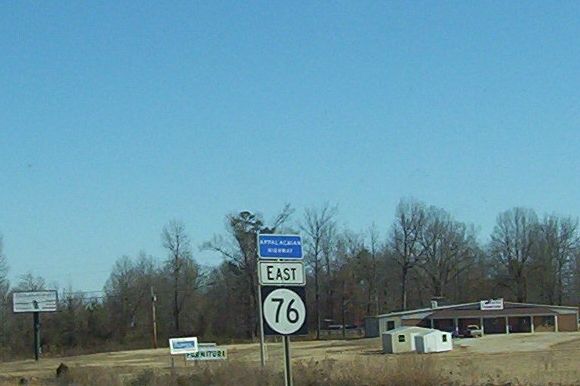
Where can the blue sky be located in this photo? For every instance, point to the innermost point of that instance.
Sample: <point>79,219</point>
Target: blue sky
<point>116,117</point>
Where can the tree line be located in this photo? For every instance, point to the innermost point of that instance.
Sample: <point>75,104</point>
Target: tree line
<point>424,254</point>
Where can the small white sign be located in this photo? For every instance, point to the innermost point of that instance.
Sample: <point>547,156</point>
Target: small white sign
<point>37,301</point>
<point>208,354</point>
<point>205,345</point>
<point>179,346</point>
<point>282,273</point>
<point>491,304</point>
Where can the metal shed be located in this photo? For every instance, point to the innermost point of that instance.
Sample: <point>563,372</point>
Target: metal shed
<point>401,339</point>
<point>433,341</point>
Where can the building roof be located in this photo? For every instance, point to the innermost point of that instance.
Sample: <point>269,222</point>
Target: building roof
<point>438,332</point>
<point>476,313</point>
<point>407,329</point>
<point>425,310</point>
<point>543,305</point>
<point>473,309</point>
<point>401,313</point>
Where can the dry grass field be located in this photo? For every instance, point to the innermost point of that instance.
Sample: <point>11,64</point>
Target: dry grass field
<point>538,359</point>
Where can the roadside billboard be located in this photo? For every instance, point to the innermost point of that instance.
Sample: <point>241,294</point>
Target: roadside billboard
<point>34,301</point>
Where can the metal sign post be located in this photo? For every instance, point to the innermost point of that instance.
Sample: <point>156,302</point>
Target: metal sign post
<point>36,322</point>
<point>154,317</point>
<point>261,316</point>
<point>287,363</point>
<point>282,296</point>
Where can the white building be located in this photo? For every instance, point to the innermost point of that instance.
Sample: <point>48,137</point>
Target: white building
<point>433,341</point>
<point>401,339</point>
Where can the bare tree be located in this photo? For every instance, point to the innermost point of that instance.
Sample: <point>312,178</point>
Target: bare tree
<point>365,265</point>
<point>405,240</point>
<point>575,299</point>
<point>240,250</point>
<point>559,241</point>
<point>448,249</point>
<point>318,226</point>
<point>512,244</point>
<point>329,252</point>
<point>122,297</point>
<point>4,288</point>
<point>29,282</point>
<point>373,234</point>
<point>178,246</point>
<point>351,276</point>
<point>4,282</point>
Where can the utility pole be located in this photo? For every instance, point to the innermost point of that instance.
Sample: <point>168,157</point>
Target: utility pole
<point>154,317</point>
<point>261,316</point>
<point>343,317</point>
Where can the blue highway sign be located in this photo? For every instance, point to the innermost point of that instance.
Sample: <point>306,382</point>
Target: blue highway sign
<point>279,246</point>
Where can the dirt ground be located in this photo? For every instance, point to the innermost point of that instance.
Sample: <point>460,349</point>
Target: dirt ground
<point>538,358</point>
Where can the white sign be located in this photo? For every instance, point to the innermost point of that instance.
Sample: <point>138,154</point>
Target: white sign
<point>37,301</point>
<point>281,273</point>
<point>284,311</point>
<point>491,304</point>
<point>208,354</point>
<point>205,345</point>
<point>183,345</point>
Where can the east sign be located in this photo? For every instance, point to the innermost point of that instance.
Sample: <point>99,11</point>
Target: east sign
<point>281,273</point>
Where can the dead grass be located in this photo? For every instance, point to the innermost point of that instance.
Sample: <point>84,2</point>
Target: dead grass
<point>392,371</point>
<point>403,371</point>
<point>320,363</point>
<point>411,370</point>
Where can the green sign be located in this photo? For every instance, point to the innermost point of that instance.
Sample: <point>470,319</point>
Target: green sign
<point>208,354</point>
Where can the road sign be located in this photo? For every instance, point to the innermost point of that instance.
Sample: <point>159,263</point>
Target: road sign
<point>284,310</point>
<point>37,301</point>
<point>281,273</point>
<point>279,246</point>
<point>208,354</point>
<point>183,345</point>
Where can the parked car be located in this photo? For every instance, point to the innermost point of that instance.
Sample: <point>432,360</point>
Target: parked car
<point>473,331</point>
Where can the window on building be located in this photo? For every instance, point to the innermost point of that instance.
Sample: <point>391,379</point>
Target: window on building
<point>401,338</point>
<point>444,338</point>
<point>390,325</point>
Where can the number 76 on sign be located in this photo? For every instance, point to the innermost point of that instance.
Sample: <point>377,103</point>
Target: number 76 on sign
<point>284,310</point>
